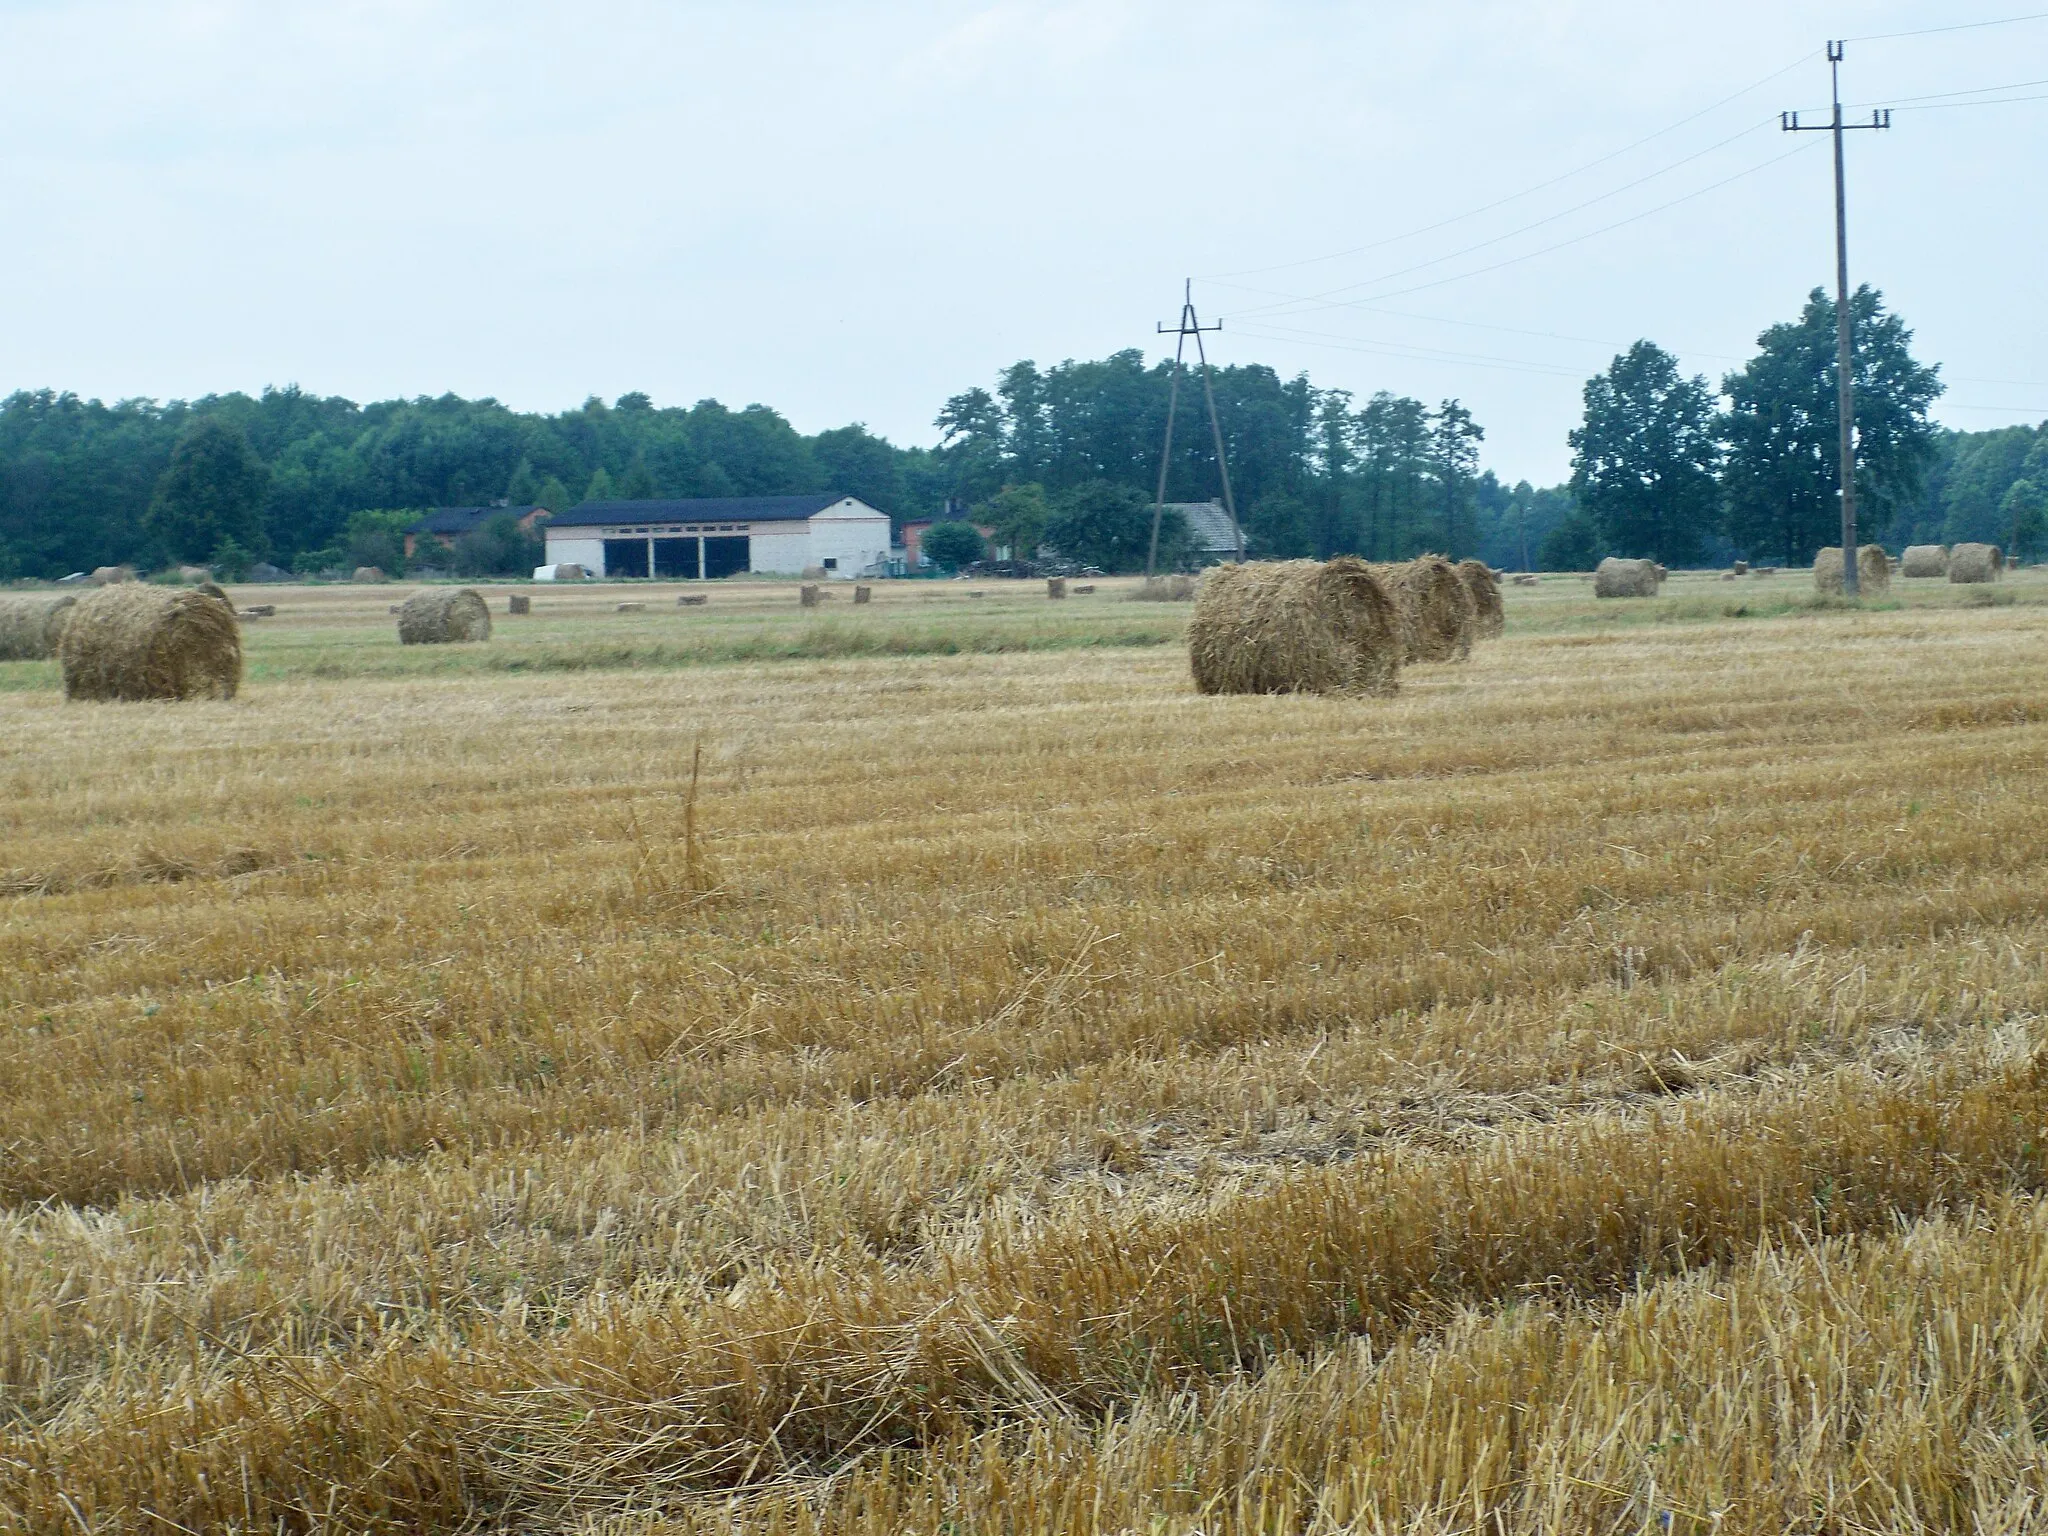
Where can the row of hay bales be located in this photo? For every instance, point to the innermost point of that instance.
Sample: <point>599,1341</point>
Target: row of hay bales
<point>1964,564</point>
<point>131,641</point>
<point>1341,626</point>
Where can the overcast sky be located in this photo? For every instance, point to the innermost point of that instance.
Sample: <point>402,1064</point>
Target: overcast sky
<point>850,212</point>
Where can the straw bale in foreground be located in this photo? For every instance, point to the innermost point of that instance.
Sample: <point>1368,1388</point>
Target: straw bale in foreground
<point>130,641</point>
<point>1295,626</point>
<point>1615,577</point>
<point>32,624</point>
<point>1975,562</point>
<point>1873,570</point>
<point>1436,611</point>
<point>444,616</point>
<point>1488,617</point>
<point>1921,561</point>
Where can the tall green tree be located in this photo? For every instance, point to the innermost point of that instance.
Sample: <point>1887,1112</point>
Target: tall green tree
<point>1454,439</point>
<point>1019,515</point>
<point>210,494</point>
<point>1109,525</point>
<point>2025,514</point>
<point>1782,438</point>
<point>1646,460</point>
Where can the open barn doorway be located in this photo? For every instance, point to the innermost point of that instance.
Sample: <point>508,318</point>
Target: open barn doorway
<point>727,556</point>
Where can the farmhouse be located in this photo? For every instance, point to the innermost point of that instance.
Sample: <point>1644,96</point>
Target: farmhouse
<point>444,525</point>
<point>721,536</point>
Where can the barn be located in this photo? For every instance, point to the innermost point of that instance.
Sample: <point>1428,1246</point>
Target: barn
<point>704,539</point>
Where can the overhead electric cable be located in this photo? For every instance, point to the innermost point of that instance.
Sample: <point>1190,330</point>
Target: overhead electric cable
<point>1512,197</point>
<point>1314,300</point>
<point>1961,26</point>
<point>1437,261</point>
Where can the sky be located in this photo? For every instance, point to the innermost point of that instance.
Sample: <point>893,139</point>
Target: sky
<point>851,212</point>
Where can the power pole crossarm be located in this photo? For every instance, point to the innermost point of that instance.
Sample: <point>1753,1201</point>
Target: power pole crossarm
<point>1188,326</point>
<point>1845,324</point>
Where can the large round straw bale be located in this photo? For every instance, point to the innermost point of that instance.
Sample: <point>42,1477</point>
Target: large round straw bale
<point>32,624</point>
<point>443,616</point>
<point>368,575</point>
<point>1975,562</point>
<point>130,641</point>
<point>1873,570</point>
<point>1923,560</point>
<point>1436,612</point>
<point>108,575</point>
<point>1488,617</point>
<point>1616,577</point>
<point>1295,626</point>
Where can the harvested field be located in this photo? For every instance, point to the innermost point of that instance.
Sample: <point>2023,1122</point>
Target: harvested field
<point>1010,1090</point>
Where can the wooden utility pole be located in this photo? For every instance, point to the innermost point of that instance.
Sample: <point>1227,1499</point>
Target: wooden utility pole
<point>1188,326</point>
<point>1845,325</point>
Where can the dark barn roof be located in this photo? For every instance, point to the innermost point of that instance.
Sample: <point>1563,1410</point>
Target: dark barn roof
<point>711,509</point>
<point>457,520</point>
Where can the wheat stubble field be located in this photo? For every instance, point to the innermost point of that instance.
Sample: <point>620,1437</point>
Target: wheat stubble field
<point>1596,1090</point>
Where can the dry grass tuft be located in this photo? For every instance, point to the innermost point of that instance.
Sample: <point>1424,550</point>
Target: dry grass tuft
<point>1296,626</point>
<point>128,641</point>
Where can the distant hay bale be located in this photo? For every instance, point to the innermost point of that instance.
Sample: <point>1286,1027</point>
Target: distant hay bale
<point>31,625</point>
<point>814,573</point>
<point>368,575</point>
<point>444,616</point>
<point>1615,577</point>
<point>192,575</point>
<point>1165,589</point>
<point>691,600</point>
<point>1436,614</point>
<point>1741,568</point>
<point>1528,579</point>
<point>1729,575</point>
<point>809,595</point>
<point>863,593</point>
<point>1295,626</point>
<point>1765,570</point>
<point>1087,590</point>
<point>259,611</point>
<point>1873,570</point>
<point>108,575</point>
<point>519,602</point>
<point>1969,563</point>
<point>128,641</point>
<point>1488,617</point>
<point>1922,561</point>
<point>1056,588</point>
<point>631,608</point>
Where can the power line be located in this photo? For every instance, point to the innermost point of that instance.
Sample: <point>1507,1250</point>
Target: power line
<point>1437,261</point>
<point>1961,26</point>
<point>1636,218</point>
<point>1512,197</point>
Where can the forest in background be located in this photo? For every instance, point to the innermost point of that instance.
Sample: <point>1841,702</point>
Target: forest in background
<point>1661,467</point>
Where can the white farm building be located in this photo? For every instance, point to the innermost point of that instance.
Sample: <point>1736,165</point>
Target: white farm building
<point>721,536</point>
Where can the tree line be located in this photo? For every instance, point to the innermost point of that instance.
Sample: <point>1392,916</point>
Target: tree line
<point>1663,465</point>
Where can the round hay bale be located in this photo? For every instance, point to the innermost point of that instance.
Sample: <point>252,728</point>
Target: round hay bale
<point>130,641</point>
<point>1295,626</point>
<point>519,602</point>
<point>1974,563</point>
<point>1615,577</point>
<point>444,616</point>
<point>1873,570</point>
<point>1923,561</point>
<point>368,575</point>
<point>809,596</point>
<point>1436,612</point>
<point>1055,588</point>
<point>1740,568</point>
<point>108,575</point>
<point>32,624</point>
<point>863,593</point>
<point>1488,617</point>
